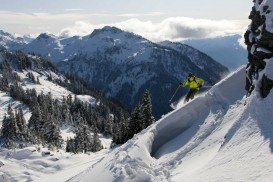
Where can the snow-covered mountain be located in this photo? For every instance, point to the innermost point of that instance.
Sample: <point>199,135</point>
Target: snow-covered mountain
<point>202,60</point>
<point>9,41</point>
<point>123,64</point>
<point>45,78</point>
<point>222,135</point>
<point>225,50</point>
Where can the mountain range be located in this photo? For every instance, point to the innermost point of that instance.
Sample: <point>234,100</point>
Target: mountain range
<point>123,64</point>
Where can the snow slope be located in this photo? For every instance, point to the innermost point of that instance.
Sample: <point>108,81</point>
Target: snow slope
<point>29,164</point>
<point>211,138</point>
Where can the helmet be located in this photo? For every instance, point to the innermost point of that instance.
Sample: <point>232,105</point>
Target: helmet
<point>190,75</point>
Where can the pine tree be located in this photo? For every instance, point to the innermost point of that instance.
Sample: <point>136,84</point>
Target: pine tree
<point>120,135</point>
<point>124,129</point>
<point>82,139</point>
<point>108,129</point>
<point>147,116</point>
<point>70,146</point>
<point>96,144</point>
<point>21,122</point>
<point>12,134</point>
<point>51,132</point>
<point>5,126</point>
<point>11,127</point>
<point>35,121</point>
<point>135,124</point>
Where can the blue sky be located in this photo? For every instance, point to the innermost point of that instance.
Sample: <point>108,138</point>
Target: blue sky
<point>82,16</point>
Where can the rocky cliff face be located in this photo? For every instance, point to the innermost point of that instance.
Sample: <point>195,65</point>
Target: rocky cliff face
<point>259,40</point>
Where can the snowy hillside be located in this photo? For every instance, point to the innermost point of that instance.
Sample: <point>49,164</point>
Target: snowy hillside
<point>209,139</point>
<point>28,83</point>
<point>225,50</point>
<point>223,135</point>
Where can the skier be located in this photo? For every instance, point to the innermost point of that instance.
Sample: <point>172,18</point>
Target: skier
<point>194,83</point>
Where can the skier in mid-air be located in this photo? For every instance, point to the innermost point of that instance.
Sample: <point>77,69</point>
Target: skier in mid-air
<point>194,83</point>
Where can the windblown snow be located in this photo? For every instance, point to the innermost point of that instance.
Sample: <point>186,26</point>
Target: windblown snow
<point>220,136</point>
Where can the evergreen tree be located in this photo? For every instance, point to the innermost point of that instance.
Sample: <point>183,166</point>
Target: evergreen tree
<point>52,133</point>
<point>147,116</point>
<point>21,122</point>
<point>9,128</point>
<point>70,146</point>
<point>84,141</point>
<point>13,135</point>
<point>96,144</point>
<point>124,129</point>
<point>120,135</point>
<point>35,121</point>
<point>135,124</point>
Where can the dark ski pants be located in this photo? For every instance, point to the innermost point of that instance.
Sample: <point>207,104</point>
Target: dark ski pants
<point>190,95</point>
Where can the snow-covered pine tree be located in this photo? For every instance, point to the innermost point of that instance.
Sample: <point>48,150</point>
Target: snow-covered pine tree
<point>70,146</point>
<point>5,127</point>
<point>109,125</point>
<point>124,129</point>
<point>4,84</point>
<point>96,144</point>
<point>83,140</point>
<point>35,120</point>
<point>9,128</point>
<point>146,107</point>
<point>51,132</point>
<point>120,134</point>
<point>20,120</point>
<point>116,134</point>
<point>135,124</point>
<point>12,135</point>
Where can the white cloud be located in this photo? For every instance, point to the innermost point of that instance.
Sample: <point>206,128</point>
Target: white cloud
<point>174,28</point>
<point>80,28</point>
<point>76,22</point>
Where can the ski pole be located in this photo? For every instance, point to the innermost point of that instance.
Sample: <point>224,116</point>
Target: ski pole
<point>174,93</point>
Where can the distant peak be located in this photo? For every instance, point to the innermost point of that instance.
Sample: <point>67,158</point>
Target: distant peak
<point>46,36</point>
<point>109,29</point>
<point>4,33</point>
<point>112,29</point>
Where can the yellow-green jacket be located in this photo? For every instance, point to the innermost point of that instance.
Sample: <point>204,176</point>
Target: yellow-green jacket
<point>195,84</point>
